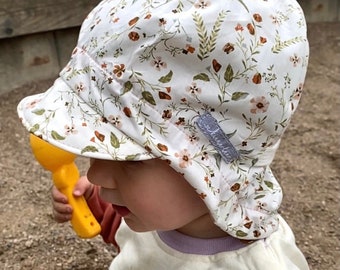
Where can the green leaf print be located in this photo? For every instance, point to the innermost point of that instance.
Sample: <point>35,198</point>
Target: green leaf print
<point>89,148</point>
<point>202,77</point>
<point>132,157</point>
<point>35,128</point>
<point>269,184</point>
<point>207,43</point>
<point>254,161</point>
<point>231,134</point>
<point>127,86</point>
<point>218,159</point>
<point>245,152</point>
<point>239,95</point>
<point>148,97</point>
<point>39,112</point>
<point>55,135</point>
<point>280,45</point>
<point>167,78</point>
<point>114,140</point>
<point>240,233</point>
<point>229,74</point>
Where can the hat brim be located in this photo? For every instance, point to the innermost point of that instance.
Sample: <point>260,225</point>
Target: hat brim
<point>54,117</point>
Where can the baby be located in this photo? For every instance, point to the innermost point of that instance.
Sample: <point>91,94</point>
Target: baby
<point>181,106</point>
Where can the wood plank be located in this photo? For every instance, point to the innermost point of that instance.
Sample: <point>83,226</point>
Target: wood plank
<point>65,42</point>
<point>20,17</point>
<point>34,57</point>
<point>321,10</point>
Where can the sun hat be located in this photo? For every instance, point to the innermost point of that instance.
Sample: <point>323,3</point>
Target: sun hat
<point>209,86</point>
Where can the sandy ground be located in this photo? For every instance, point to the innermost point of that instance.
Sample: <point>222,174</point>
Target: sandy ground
<point>307,165</point>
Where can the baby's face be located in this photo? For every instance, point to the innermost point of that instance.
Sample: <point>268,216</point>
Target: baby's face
<point>150,195</point>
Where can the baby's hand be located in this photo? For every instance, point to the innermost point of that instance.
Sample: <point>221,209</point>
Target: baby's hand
<point>62,210</point>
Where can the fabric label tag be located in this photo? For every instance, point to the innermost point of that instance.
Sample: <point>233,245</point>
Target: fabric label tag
<point>212,130</point>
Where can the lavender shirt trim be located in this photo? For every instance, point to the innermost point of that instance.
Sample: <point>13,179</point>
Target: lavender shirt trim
<point>199,246</point>
<point>211,129</point>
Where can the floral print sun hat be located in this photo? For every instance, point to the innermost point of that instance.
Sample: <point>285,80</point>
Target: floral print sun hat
<point>210,86</point>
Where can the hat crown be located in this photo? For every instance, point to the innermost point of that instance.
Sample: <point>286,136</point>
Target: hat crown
<point>216,56</point>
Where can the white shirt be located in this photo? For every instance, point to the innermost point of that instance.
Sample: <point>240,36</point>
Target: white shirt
<point>146,251</point>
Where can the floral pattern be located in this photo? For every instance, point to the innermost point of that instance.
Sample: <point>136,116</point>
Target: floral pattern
<point>142,74</point>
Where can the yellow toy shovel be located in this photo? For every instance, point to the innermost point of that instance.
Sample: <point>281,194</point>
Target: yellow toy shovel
<point>65,175</point>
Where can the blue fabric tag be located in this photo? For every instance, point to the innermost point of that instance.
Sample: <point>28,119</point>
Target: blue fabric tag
<point>212,130</point>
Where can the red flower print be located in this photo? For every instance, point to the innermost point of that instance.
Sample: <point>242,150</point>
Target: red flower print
<point>239,27</point>
<point>134,36</point>
<point>32,104</point>
<point>251,28</point>
<point>298,91</point>
<point>162,147</point>
<point>259,105</point>
<point>193,89</point>
<point>257,78</point>
<point>115,120</point>
<point>188,49</point>
<point>70,130</point>
<point>80,87</point>
<point>100,137</point>
<point>263,40</point>
<point>228,48</point>
<point>127,111</point>
<point>162,22</point>
<point>202,4</point>
<point>257,17</point>
<point>295,60</point>
<point>184,158</point>
<point>133,21</point>
<point>158,63</point>
<point>202,195</point>
<point>119,70</point>
<point>180,121</point>
<point>167,114</point>
<point>216,65</point>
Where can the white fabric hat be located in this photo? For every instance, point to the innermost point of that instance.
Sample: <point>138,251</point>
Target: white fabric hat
<point>210,86</point>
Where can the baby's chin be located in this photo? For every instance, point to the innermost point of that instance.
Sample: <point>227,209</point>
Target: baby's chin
<point>121,210</point>
<point>135,225</point>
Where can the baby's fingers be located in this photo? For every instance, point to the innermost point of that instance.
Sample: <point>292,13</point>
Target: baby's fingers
<point>62,212</point>
<point>61,218</point>
<point>57,196</point>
